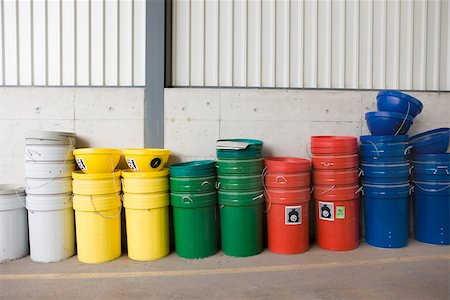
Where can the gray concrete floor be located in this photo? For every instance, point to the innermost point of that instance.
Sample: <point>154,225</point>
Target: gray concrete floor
<point>419,271</point>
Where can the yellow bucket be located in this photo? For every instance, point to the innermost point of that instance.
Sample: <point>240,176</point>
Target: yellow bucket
<point>145,182</point>
<point>97,160</point>
<point>147,224</point>
<point>97,220</point>
<point>146,159</point>
<point>96,184</point>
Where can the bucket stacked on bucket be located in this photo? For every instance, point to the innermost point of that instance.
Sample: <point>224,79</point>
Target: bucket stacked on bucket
<point>336,191</point>
<point>386,189</point>
<point>241,197</point>
<point>49,163</point>
<point>146,201</point>
<point>287,182</point>
<point>97,203</point>
<point>431,180</point>
<point>13,223</point>
<point>194,201</point>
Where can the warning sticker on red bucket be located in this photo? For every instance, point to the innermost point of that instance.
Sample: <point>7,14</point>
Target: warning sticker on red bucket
<point>340,212</point>
<point>326,211</point>
<point>81,164</point>
<point>132,164</point>
<point>293,215</point>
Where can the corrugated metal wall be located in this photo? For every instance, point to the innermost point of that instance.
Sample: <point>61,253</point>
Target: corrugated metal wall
<point>367,44</point>
<point>72,42</point>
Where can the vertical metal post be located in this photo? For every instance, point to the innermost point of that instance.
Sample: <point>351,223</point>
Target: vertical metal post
<point>154,73</point>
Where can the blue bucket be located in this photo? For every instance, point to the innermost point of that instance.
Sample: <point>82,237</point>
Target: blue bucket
<point>431,142</point>
<point>386,215</point>
<point>432,158</point>
<point>399,102</point>
<point>388,123</point>
<point>385,174</point>
<point>383,139</point>
<point>437,174</point>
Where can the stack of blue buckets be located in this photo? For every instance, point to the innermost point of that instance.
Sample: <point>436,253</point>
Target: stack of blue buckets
<point>386,169</point>
<point>431,179</point>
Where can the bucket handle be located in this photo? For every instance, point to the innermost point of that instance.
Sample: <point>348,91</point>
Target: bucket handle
<point>332,187</point>
<point>218,185</point>
<point>312,189</point>
<point>206,183</point>
<point>361,172</point>
<point>408,149</point>
<point>30,154</point>
<point>102,215</point>
<point>189,200</point>
<point>376,150</point>
<point>263,178</point>
<point>429,190</point>
<point>329,164</point>
<point>441,168</point>
<point>360,189</point>
<point>410,169</point>
<point>404,120</point>
<point>283,178</point>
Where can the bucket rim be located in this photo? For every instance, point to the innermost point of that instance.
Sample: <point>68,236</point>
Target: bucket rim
<point>80,175</point>
<point>93,151</point>
<point>146,151</point>
<point>11,189</point>
<point>132,174</point>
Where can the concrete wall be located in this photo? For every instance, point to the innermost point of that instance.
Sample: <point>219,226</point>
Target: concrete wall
<point>101,117</point>
<point>283,119</point>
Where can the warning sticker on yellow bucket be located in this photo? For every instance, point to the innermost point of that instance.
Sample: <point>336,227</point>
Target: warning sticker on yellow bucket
<point>340,212</point>
<point>81,164</point>
<point>132,164</point>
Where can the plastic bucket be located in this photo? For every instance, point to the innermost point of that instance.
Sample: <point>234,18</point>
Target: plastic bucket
<point>433,141</point>
<point>97,160</point>
<point>288,220</point>
<point>431,158</point>
<point>145,182</point>
<point>147,224</point>
<point>431,215</point>
<point>49,153</point>
<point>13,223</point>
<point>193,184</point>
<point>241,222</point>
<point>251,166</point>
<point>333,192</point>
<point>383,139</point>
<point>50,138</point>
<point>335,162</point>
<point>291,181</point>
<point>287,165</point>
<point>341,177</point>
<point>96,184</point>
<point>194,217</point>
<point>43,170</point>
<point>52,227</point>
<point>398,102</point>
<point>146,159</point>
<point>239,183</point>
<point>98,224</point>
<point>386,215</point>
<point>385,173</point>
<point>37,186</point>
<point>252,151</point>
<point>197,168</point>
<point>388,123</point>
<point>341,145</point>
<point>337,223</point>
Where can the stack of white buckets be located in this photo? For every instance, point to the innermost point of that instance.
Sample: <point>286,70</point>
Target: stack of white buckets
<point>48,180</point>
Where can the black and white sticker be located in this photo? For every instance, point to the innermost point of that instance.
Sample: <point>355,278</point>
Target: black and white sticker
<point>326,211</point>
<point>293,215</point>
<point>132,164</point>
<point>81,164</point>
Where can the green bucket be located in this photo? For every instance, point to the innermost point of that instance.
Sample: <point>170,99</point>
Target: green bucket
<point>241,221</point>
<point>253,150</point>
<point>239,182</point>
<point>193,184</point>
<point>194,218</point>
<point>196,168</point>
<point>248,166</point>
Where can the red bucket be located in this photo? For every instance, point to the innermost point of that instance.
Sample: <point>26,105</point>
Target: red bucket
<point>333,162</point>
<point>322,145</point>
<point>287,165</point>
<point>341,177</point>
<point>337,224</point>
<point>333,192</point>
<point>288,220</point>
<point>291,181</point>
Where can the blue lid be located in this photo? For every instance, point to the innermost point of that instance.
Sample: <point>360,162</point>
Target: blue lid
<point>388,114</point>
<point>445,157</point>
<point>383,138</point>
<point>421,137</point>
<point>401,95</point>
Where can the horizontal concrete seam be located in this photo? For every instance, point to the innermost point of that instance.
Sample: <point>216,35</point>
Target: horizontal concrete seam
<point>201,272</point>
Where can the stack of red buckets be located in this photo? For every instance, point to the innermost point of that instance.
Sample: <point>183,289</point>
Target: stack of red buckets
<point>336,191</point>
<point>287,181</point>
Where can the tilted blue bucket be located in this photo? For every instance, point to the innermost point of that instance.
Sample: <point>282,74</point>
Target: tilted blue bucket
<point>431,212</point>
<point>431,168</point>
<point>385,174</point>
<point>386,215</point>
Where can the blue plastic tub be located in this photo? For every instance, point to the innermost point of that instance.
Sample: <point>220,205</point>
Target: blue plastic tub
<point>386,215</point>
<point>390,174</point>
<point>431,158</point>
<point>397,148</point>
<point>384,159</point>
<point>431,142</point>
<point>398,102</point>
<point>370,155</point>
<point>388,123</point>
<point>383,139</point>
<point>421,172</point>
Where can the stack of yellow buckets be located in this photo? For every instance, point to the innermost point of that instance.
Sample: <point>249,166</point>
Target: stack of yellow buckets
<point>97,203</point>
<point>146,201</point>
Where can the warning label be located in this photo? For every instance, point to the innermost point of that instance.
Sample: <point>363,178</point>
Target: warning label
<point>81,164</point>
<point>340,212</point>
<point>132,164</point>
<point>293,215</point>
<point>326,211</point>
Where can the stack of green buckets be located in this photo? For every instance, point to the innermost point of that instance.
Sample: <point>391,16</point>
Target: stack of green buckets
<point>194,200</point>
<point>241,198</point>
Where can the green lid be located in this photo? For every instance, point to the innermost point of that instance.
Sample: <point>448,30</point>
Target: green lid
<point>252,151</point>
<point>193,200</point>
<point>195,168</point>
<point>247,167</point>
<point>240,182</point>
<point>193,184</point>
<point>235,198</point>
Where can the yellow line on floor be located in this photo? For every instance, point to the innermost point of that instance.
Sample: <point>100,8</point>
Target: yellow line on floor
<point>282,268</point>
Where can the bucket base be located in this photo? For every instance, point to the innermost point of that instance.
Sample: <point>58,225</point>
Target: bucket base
<point>98,262</point>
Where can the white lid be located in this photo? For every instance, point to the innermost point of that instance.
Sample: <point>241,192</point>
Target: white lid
<point>231,145</point>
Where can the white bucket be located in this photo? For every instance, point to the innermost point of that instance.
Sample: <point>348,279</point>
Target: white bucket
<point>49,169</point>
<point>52,227</point>
<point>49,152</point>
<point>48,186</point>
<point>13,223</point>
<point>50,137</point>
